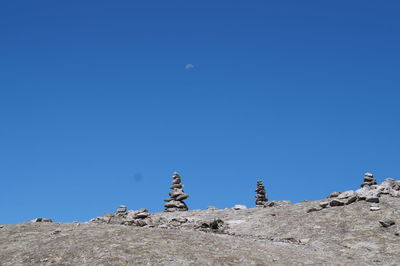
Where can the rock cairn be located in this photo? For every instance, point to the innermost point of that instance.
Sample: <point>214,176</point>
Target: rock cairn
<point>121,211</point>
<point>175,202</point>
<point>369,180</point>
<point>261,198</point>
<point>42,220</point>
<point>139,217</point>
<point>370,191</point>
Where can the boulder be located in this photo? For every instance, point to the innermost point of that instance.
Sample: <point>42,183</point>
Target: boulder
<point>351,199</point>
<point>142,215</point>
<point>324,204</point>
<point>364,193</point>
<point>336,202</point>
<point>346,194</point>
<point>334,194</point>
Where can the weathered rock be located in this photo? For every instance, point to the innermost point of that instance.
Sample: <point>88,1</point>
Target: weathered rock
<point>314,209</point>
<point>180,220</point>
<point>351,199</point>
<point>387,222</point>
<point>42,220</point>
<point>372,198</point>
<point>368,194</point>
<point>336,202</point>
<point>182,197</point>
<point>215,225</point>
<point>140,222</point>
<point>176,192</point>
<point>394,193</point>
<point>374,208</point>
<point>324,204</point>
<point>174,204</point>
<point>142,215</point>
<point>239,207</point>
<point>334,194</point>
<point>346,194</point>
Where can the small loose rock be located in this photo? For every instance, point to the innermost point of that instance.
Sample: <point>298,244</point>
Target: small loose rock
<point>387,222</point>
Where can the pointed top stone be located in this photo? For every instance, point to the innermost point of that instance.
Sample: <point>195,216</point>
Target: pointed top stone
<point>368,174</point>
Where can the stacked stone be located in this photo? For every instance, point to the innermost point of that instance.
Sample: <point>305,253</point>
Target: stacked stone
<point>369,180</point>
<point>121,211</point>
<point>261,198</point>
<point>175,202</point>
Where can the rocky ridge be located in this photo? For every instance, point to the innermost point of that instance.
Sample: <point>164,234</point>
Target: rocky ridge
<point>354,227</point>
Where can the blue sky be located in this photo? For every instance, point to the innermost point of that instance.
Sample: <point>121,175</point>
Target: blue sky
<point>97,108</point>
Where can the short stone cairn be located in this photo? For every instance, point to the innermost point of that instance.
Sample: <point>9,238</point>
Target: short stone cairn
<point>261,198</point>
<point>370,191</point>
<point>175,202</point>
<point>369,180</point>
<point>121,211</point>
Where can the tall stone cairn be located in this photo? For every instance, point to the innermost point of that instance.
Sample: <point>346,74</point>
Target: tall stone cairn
<point>369,180</point>
<point>261,198</point>
<point>175,202</point>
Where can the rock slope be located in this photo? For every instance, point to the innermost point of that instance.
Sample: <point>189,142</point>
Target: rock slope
<point>344,229</point>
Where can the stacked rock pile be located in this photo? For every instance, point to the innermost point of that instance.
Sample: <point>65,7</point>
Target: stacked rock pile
<point>138,218</point>
<point>177,195</point>
<point>370,191</point>
<point>369,180</point>
<point>261,198</point>
<point>121,211</point>
<point>42,220</point>
<point>122,216</point>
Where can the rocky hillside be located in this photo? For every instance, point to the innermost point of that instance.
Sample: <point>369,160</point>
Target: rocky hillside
<point>349,228</point>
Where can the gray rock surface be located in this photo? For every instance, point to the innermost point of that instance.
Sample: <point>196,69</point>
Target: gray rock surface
<point>280,235</point>
<point>346,194</point>
<point>336,231</point>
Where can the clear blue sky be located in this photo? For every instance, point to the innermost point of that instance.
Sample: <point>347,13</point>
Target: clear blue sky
<point>97,108</point>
